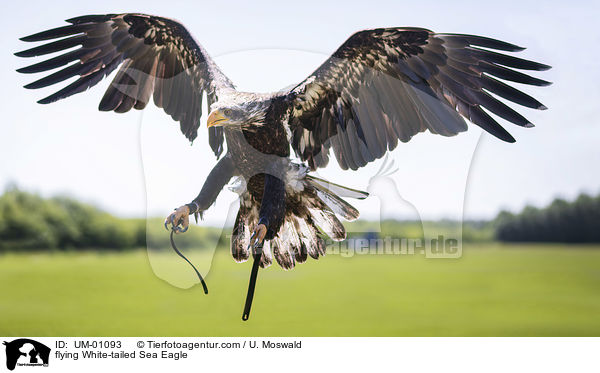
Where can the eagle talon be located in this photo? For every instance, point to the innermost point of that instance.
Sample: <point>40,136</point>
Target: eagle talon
<point>257,237</point>
<point>179,220</point>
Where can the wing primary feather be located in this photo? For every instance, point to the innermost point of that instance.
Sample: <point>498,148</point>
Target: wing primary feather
<point>479,41</point>
<point>54,63</point>
<point>506,60</point>
<point>502,110</point>
<point>512,75</point>
<point>64,74</point>
<point>485,121</point>
<point>55,46</point>
<point>58,32</point>
<point>92,18</point>
<point>510,93</point>
<point>81,84</point>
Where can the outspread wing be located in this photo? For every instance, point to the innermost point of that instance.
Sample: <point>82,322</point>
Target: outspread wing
<point>158,58</point>
<point>388,84</point>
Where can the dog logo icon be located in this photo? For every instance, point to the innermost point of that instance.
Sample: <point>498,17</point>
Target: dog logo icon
<point>26,352</point>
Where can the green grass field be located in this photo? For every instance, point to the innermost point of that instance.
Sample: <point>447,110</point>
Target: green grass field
<point>492,290</point>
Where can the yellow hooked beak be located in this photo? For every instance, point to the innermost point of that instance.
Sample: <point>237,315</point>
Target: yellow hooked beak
<point>215,119</point>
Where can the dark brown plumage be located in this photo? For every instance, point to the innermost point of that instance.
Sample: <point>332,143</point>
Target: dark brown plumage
<point>158,58</point>
<point>380,87</point>
<point>386,85</point>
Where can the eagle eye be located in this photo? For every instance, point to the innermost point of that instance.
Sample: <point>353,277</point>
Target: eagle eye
<point>227,112</point>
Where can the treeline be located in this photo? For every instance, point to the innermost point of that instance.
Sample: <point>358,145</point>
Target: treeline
<point>561,221</point>
<point>30,222</point>
<point>469,231</point>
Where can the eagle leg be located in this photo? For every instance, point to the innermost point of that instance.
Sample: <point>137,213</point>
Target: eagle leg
<point>272,208</point>
<point>216,180</point>
<point>257,237</point>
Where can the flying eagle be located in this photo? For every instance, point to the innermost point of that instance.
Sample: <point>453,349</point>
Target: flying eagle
<point>381,86</point>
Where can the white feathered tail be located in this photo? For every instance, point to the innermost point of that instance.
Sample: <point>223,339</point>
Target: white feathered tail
<point>311,208</point>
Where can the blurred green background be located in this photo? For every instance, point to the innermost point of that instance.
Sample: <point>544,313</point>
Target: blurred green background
<point>492,290</point>
<point>67,268</point>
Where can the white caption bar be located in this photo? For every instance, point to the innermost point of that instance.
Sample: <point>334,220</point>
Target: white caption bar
<point>46,355</point>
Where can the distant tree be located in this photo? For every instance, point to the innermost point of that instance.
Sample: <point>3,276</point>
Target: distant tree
<point>30,222</point>
<point>561,221</point>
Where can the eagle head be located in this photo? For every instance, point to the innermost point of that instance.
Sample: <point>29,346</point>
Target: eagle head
<point>241,114</point>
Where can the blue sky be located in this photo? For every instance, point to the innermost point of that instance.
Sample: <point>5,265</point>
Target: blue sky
<point>112,159</point>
